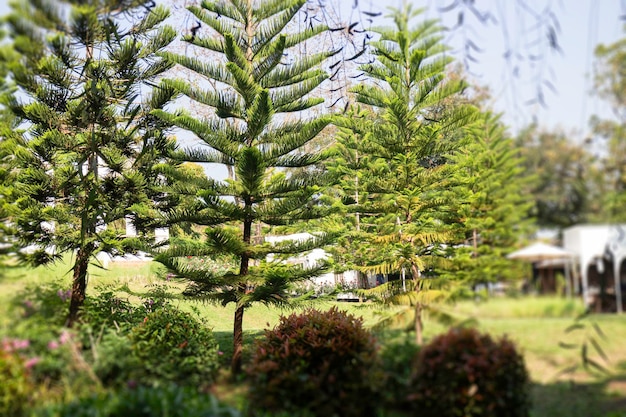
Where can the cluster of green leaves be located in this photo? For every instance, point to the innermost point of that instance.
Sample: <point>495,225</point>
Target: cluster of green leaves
<point>467,373</point>
<point>171,345</point>
<point>166,401</point>
<point>116,344</point>
<point>16,387</point>
<point>323,362</point>
<point>84,155</point>
<point>250,95</point>
<point>491,203</point>
<point>610,82</point>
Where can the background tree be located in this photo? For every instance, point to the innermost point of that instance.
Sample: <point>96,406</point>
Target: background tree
<point>559,183</point>
<point>493,207</point>
<point>349,170</point>
<point>8,123</point>
<point>87,145</point>
<point>254,83</point>
<point>610,82</point>
<point>409,149</point>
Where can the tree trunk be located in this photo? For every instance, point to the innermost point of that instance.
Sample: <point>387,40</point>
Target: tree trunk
<point>235,364</point>
<point>79,285</point>
<point>419,326</point>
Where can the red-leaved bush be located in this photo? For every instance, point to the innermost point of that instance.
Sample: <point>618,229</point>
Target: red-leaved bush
<point>322,362</point>
<point>466,373</point>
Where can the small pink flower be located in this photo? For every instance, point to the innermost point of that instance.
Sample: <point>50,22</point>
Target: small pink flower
<point>53,344</point>
<point>219,352</point>
<point>65,337</point>
<point>21,344</point>
<point>31,362</point>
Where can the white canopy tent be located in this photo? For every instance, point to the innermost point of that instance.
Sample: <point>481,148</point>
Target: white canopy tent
<point>540,251</point>
<point>547,255</point>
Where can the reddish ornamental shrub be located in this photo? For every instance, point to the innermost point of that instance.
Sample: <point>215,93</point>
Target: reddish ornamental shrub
<point>466,373</point>
<point>322,362</point>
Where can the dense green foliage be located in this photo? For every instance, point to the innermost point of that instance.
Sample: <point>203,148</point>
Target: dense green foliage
<point>117,343</point>
<point>84,155</point>
<point>610,82</point>
<point>559,182</point>
<point>173,346</point>
<point>16,386</point>
<point>466,373</point>
<point>324,362</point>
<point>404,213</point>
<point>491,204</point>
<point>252,125</point>
<point>168,401</point>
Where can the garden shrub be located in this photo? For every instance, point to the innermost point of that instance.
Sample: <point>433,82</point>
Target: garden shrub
<point>166,401</point>
<point>325,363</point>
<point>113,361</point>
<point>15,387</point>
<point>397,357</point>
<point>465,373</point>
<point>108,310</point>
<point>173,346</point>
<point>39,313</point>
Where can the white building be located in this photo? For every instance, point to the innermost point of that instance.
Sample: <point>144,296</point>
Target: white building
<point>311,259</point>
<point>600,254</point>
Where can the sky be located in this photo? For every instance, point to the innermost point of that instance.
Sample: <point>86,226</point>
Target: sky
<point>563,75</point>
<point>522,27</point>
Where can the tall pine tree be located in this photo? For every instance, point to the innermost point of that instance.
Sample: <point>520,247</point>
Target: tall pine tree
<point>491,203</point>
<point>255,84</point>
<point>86,150</point>
<point>409,149</point>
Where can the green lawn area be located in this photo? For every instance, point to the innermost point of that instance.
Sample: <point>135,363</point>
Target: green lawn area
<point>537,325</point>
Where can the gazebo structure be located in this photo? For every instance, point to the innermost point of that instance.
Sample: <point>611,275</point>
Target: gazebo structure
<point>547,257</point>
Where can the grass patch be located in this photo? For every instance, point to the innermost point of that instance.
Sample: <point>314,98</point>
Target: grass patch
<point>535,324</point>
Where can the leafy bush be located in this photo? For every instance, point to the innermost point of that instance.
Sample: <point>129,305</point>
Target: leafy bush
<point>47,303</point>
<point>465,373</point>
<point>39,313</point>
<point>173,346</point>
<point>108,309</point>
<point>323,362</point>
<point>112,359</point>
<point>397,356</point>
<point>168,401</point>
<point>16,386</point>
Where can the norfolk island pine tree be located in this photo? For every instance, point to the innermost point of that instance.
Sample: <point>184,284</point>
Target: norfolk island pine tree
<point>409,151</point>
<point>85,153</point>
<point>274,180</point>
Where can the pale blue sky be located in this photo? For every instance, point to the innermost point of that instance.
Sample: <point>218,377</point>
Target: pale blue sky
<point>583,24</point>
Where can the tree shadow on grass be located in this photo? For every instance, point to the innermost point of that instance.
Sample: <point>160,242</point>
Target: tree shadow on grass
<point>225,342</point>
<point>605,397</point>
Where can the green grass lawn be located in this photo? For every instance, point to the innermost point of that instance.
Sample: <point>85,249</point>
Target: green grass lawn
<point>537,325</point>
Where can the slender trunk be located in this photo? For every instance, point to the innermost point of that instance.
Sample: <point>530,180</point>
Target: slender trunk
<point>237,341</point>
<point>238,323</point>
<point>419,325</point>
<point>79,284</point>
<point>235,364</point>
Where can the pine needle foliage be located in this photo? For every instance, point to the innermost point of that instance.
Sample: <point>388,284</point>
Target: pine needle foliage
<point>493,209</point>
<point>409,149</point>
<point>87,144</point>
<point>254,92</point>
